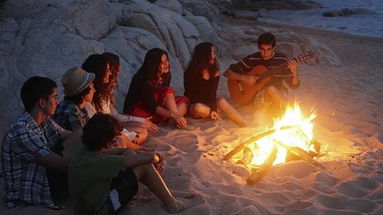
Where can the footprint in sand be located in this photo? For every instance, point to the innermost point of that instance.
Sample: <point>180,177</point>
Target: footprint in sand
<point>357,188</point>
<point>323,177</point>
<point>185,143</point>
<point>340,203</point>
<point>349,189</point>
<point>252,209</point>
<point>158,145</point>
<point>276,197</point>
<point>376,195</point>
<point>324,182</point>
<point>360,205</point>
<point>300,205</point>
<point>340,212</point>
<point>298,169</point>
<point>331,202</point>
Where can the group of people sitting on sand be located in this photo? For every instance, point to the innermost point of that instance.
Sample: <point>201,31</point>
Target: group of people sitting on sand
<point>103,172</point>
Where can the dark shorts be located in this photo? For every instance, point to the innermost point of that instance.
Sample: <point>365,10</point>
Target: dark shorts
<point>260,96</point>
<point>58,181</point>
<point>125,185</point>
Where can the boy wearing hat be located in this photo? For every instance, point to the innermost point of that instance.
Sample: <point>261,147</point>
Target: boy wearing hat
<point>78,90</point>
<point>71,113</point>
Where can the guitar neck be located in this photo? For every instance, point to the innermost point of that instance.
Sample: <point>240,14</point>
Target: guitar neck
<point>279,70</point>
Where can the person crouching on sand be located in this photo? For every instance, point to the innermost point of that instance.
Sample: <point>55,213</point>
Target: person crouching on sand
<point>102,181</point>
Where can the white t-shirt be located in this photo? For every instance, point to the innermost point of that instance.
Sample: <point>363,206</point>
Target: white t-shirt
<point>107,108</point>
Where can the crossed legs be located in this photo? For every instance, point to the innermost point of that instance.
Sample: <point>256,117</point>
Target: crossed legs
<point>170,104</point>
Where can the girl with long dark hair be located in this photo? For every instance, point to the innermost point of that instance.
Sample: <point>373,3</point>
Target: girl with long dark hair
<point>150,95</point>
<point>113,61</point>
<point>201,81</point>
<point>99,65</point>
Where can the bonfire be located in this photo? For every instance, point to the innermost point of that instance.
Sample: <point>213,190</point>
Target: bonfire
<point>290,138</point>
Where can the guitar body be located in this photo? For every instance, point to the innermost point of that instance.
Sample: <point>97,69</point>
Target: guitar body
<point>242,93</point>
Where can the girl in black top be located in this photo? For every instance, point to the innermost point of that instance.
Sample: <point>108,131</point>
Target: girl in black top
<point>150,95</point>
<point>201,81</point>
<point>137,124</point>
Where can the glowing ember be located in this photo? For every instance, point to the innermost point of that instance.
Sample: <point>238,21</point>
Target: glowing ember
<point>299,136</point>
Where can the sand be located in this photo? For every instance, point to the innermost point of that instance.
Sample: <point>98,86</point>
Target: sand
<point>348,100</point>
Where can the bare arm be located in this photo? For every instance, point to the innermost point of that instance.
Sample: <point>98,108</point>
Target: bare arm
<point>72,138</point>
<point>178,119</point>
<point>135,159</point>
<point>115,151</point>
<point>53,161</point>
<point>163,112</point>
<point>125,142</point>
<point>294,80</point>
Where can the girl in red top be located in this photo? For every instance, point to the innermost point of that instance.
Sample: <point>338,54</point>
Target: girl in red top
<point>150,95</point>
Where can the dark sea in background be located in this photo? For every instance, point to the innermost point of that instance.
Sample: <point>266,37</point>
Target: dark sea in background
<point>368,20</point>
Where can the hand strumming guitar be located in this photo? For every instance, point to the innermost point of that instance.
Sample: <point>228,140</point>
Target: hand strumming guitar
<point>293,66</point>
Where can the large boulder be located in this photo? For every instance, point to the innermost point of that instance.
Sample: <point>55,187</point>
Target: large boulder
<point>177,33</point>
<point>46,38</point>
<point>206,30</point>
<point>202,8</point>
<point>21,8</point>
<point>46,43</point>
<point>172,5</point>
<point>275,4</point>
<point>131,44</point>
<point>89,19</point>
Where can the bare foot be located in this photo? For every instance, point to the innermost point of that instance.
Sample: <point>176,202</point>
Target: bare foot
<point>179,205</point>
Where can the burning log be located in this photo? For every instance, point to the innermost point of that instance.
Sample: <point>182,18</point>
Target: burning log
<point>293,133</point>
<point>251,140</point>
<point>299,153</point>
<point>247,156</point>
<point>258,173</point>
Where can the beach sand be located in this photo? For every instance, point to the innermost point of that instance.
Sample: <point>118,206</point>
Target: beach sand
<point>348,99</point>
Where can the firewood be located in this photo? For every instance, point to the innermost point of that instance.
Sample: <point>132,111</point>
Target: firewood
<point>251,140</point>
<point>299,153</point>
<point>259,173</point>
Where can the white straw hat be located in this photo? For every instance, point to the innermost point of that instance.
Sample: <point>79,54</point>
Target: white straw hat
<point>76,80</point>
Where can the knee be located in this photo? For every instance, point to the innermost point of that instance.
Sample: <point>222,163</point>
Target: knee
<point>198,107</point>
<point>141,170</point>
<point>272,91</point>
<point>142,136</point>
<point>221,101</point>
<point>199,110</point>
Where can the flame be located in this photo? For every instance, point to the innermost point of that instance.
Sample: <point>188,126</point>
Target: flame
<point>299,136</point>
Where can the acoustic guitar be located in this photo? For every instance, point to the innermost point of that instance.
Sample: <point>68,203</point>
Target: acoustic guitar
<point>243,93</point>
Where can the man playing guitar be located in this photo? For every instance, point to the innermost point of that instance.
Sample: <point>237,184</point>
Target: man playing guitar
<point>243,74</point>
